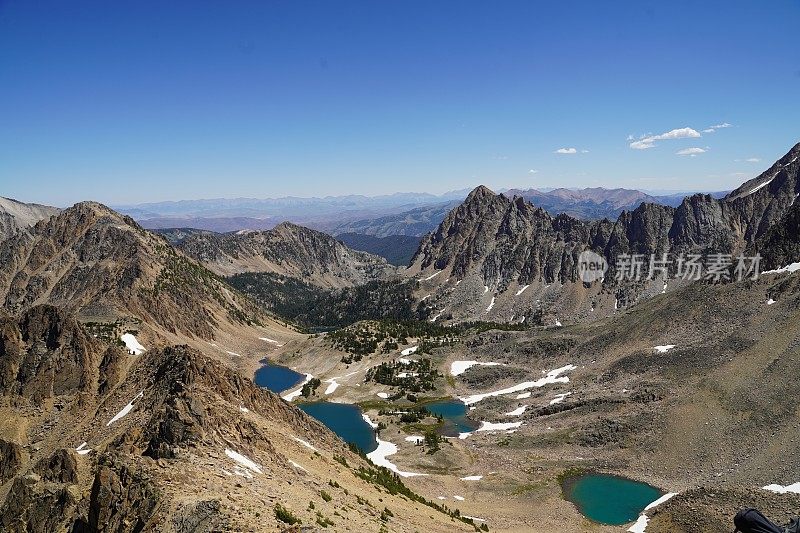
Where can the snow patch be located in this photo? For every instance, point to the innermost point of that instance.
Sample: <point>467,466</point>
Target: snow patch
<point>459,498</point>
<point>491,304</point>
<point>554,376</point>
<point>132,344</point>
<point>367,419</point>
<point>523,395</point>
<point>783,489</point>
<point>297,466</point>
<point>409,351</point>
<point>472,478</point>
<point>384,450</point>
<point>521,290</point>
<point>518,411</point>
<point>304,443</point>
<point>485,289</point>
<point>432,276</point>
<point>459,367</point>
<point>770,301</point>
<point>243,460</point>
<point>333,385</point>
<point>383,395</point>
<point>298,391</point>
<point>760,186</point>
<point>788,269</point>
<point>559,398</point>
<point>661,500</point>
<point>493,426</point>
<point>640,525</point>
<point>664,348</point>
<point>271,341</point>
<point>83,449</point>
<point>244,409</point>
<point>416,439</point>
<point>125,410</point>
<point>232,353</point>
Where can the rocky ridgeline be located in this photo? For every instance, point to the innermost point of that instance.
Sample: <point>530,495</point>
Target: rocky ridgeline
<point>290,250</point>
<point>509,239</point>
<point>92,261</point>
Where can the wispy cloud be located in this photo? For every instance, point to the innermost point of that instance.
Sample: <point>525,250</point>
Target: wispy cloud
<point>650,141</point>
<point>749,160</point>
<point>532,171</point>
<point>566,151</point>
<point>691,152</point>
<point>712,129</point>
<point>584,151</point>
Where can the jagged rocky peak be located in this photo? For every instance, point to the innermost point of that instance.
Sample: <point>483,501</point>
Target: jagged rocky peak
<point>90,260</point>
<point>504,240</point>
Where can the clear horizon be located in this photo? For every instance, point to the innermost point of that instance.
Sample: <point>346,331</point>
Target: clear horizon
<point>162,102</point>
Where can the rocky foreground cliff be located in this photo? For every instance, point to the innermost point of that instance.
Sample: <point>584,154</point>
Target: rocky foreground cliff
<point>95,439</point>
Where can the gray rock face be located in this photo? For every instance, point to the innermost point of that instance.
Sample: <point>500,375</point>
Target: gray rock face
<point>508,239</point>
<point>17,216</point>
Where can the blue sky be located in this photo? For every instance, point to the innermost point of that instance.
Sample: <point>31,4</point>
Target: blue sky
<point>124,102</point>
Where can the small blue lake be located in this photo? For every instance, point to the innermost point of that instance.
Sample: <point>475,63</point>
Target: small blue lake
<point>609,499</point>
<point>277,378</point>
<point>454,413</point>
<point>346,421</point>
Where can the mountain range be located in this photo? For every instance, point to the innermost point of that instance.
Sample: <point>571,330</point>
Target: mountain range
<point>127,360</point>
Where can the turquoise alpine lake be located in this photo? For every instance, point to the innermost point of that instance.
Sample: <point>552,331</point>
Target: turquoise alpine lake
<point>346,420</point>
<point>608,499</point>
<point>277,378</point>
<point>454,413</point>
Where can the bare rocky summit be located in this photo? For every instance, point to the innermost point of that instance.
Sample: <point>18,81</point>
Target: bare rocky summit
<point>100,265</point>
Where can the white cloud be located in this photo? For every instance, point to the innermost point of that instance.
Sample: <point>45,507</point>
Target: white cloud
<point>650,141</point>
<point>532,171</point>
<point>691,151</point>
<point>566,151</point>
<point>753,160</point>
<point>584,151</point>
<point>712,129</point>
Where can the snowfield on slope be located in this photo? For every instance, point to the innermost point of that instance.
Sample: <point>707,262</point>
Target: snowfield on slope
<point>552,377</point>
<point>125,410</point>
<point>132,344</point>
<point>459,367</point>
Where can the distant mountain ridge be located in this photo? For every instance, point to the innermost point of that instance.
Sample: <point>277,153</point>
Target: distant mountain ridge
<point>16,216</point>
<point>396,249</point>
<point>289,250</point>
